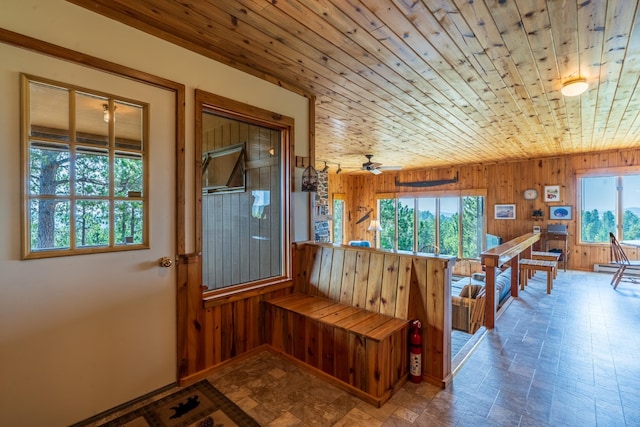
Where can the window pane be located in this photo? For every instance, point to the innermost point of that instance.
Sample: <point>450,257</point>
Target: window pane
<point>129,217</point>
<point>48,169</point>
<point>128,175</point>
<point>387,209</point>
<point>598,217</point>
<point>406,212</point>
<point>427,225</point>
<point>449,226</point>
<point>472,208</point>
<point>242,224</point>
<point>338,215</point>
<point>92,172</point>
<point>92,223</point>
<point>49,224</point>
<point>128,126</point>
<point>631,207</point>
<point>92,119</point>
<point>48,111</point>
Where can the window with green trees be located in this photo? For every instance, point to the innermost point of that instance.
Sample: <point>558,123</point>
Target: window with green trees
<point>338,220</point>
<point>445,225</point>
<point>610,203</point>
<point>84,171</point>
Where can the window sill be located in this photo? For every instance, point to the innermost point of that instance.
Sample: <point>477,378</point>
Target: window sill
<point>237,293</point>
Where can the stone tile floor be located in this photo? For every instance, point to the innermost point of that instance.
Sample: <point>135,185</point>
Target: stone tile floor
<point>571,358</point>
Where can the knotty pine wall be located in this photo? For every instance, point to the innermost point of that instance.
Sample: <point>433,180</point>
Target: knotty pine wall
<point>502,183</point>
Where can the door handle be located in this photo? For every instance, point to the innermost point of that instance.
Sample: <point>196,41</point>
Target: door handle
<point>166,262</point>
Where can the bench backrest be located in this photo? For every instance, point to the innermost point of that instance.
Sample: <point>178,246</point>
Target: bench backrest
<point>361,277</point>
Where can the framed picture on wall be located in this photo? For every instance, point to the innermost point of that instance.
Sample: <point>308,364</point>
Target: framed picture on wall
<point>559,212</point>
<point>552,193</point>
<point>505,211</point>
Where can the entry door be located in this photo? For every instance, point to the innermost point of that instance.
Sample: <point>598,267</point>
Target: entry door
<point>82,334</point>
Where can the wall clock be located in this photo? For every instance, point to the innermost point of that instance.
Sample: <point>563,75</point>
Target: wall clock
<point>530,194</point>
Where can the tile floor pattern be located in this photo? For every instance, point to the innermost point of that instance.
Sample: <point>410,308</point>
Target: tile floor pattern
<point>571,358</point>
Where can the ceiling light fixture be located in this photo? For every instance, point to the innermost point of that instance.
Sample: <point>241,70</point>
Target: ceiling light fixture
<point>326,168</point>
<point>339,170</point>
<point>575,87</point>
<point>105,112</point>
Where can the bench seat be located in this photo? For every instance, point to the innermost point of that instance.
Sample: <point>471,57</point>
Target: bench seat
<point>366,351</point>
<point>527,265</point>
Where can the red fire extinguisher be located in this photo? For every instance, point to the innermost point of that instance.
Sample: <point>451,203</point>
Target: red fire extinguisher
<point>415,351</point>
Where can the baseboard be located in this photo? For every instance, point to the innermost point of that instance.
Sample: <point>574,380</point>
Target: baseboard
<point>200,375</point>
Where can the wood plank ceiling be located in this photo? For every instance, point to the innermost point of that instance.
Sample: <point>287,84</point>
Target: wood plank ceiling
<point>426,83</point>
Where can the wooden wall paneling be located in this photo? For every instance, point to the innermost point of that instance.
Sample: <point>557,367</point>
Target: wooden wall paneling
<point>240,325</point>
<point>418,290</point>
<point>390,283</point>
<point>361,280</point>
<point>314,278</point>
<point>374,284</point>
<point>216,332</point>
<point>348,277</point>
<point>504,183</point>
<point>337,267</point>
<point>325,272</point>
<point>437,329</point>
<point>327,349</point>
<point>402,296</point>
<point>208,337</point>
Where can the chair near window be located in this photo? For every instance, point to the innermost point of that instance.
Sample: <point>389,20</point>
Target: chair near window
<point>619,258</point>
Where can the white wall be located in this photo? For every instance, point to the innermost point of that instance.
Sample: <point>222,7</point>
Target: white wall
<point>68,345</point>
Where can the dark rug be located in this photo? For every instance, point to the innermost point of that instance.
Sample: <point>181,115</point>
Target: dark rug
<point>199,405</point>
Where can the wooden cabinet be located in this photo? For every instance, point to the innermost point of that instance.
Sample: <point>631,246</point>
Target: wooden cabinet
<point>557,242</point>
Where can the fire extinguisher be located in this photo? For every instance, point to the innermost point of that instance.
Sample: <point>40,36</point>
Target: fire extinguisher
<point>415,351</point>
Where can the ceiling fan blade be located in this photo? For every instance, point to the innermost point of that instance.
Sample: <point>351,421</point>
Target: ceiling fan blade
<point>390,168</point>
<point>375,171</point>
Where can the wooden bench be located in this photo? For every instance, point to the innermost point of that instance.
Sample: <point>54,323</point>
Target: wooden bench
<point>527,265</point>
<point>364,349</point>
<point>375,286</point>
<point>348,319</point>
<point>547,256</point>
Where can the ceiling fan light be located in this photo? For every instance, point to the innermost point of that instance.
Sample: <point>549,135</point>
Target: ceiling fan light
<point>574,87</point>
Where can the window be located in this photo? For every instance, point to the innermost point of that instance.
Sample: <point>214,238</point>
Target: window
<point>338,218</point>
<point>243,221</point>
<point>609,203</point>
<point>84,171</point>
<point>445,225</point>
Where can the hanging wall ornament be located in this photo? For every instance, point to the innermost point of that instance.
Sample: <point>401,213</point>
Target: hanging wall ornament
<point>310,179</point>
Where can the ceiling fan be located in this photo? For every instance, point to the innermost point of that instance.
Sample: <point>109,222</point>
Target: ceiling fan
<point>377,168</point>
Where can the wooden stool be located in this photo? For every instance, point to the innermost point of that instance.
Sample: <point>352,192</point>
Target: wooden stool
<point>548,256</point>
<point>527,265</point>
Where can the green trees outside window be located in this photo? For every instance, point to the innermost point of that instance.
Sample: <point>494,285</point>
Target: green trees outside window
<point>609,204</point>
<point>445,225</point>
<point>84,171</point>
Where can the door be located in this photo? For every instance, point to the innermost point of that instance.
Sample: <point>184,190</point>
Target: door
<point>82,334</point>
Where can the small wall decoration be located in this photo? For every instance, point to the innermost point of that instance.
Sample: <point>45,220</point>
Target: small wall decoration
<point>552,193</point>
<point>505,211</point>
<point>559,212</point>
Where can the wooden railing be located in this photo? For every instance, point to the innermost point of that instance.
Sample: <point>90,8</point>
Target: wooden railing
<point>506,253</point>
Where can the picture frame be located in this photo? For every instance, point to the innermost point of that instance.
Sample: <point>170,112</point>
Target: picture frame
<point>507,211</point>
<point>560,212</point>
<point>552,193</point>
